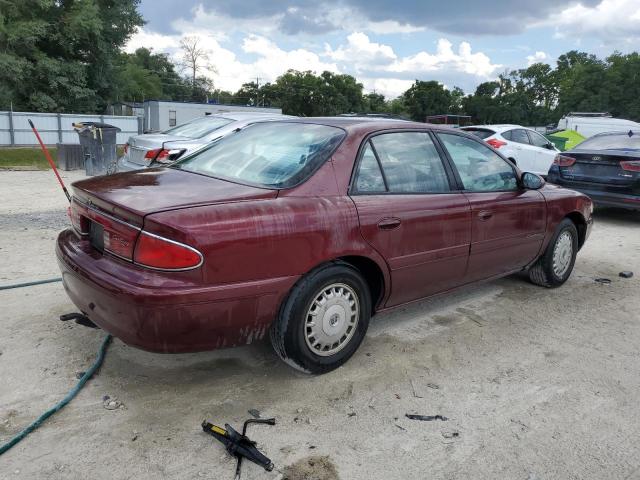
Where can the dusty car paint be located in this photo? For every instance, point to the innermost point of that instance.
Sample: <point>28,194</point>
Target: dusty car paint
<point>257,243</point>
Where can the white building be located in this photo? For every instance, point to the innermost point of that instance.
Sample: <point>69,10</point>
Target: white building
<point>160,115</point>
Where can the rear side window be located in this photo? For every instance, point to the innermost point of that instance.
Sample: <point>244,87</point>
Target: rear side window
<point>479,167</point>
<point>481,133</point>
<point>369,177</point>
<point>410,164</point>
<point>269,154</point>
<point>198,128</point>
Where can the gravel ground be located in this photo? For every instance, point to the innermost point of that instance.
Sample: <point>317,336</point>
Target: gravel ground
<point>534,383</point>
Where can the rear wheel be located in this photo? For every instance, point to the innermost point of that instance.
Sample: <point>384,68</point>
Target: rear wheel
<point>324,319</point>
<point>554,267</point>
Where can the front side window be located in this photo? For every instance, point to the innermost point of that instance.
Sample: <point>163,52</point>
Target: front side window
<point>269,154</point>
<point>538,140</point>
<point>410,162</point>
<point>518,135</point>
<point>197,128</point>
<point>480,168</point>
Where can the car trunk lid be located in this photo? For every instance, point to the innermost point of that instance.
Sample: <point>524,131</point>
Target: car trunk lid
<point>600,168</point>
<point>132,195</point>
<point>141,144</point>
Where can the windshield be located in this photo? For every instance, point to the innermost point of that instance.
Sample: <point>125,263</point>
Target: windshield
<point>274,154</point>
<point>199,128</point>
<point>620,141</point>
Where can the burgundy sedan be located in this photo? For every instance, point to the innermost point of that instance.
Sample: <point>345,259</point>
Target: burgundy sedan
<point>304,229</point>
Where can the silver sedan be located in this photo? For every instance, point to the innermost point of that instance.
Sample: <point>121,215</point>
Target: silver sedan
<point>163,148</point>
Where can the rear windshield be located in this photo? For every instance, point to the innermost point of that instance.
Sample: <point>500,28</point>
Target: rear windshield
<point>199,128</point>
<point>481,133</point>
<point>610,142</point>
<point>273,155</point>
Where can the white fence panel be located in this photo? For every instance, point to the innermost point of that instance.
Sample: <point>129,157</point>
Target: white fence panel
<point>57,128</point>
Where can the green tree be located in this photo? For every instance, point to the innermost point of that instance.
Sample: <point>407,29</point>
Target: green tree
<point>427,98</point>
<point>62,55</point>
<point>374,103</point>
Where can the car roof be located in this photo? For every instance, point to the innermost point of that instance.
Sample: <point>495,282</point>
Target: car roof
<point>369,124</point>
<point>239,115</point>
<point>501,127</point>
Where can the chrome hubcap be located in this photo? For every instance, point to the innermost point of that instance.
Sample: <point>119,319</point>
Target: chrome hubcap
<point>332,319</point>
<point>562,254</point>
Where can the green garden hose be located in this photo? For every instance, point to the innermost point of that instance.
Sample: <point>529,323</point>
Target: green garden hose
<point>58,406</point>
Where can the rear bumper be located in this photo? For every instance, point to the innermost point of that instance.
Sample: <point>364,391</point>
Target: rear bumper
<point>148,310</point>
<point>125,165</point>
<point>601,198</point>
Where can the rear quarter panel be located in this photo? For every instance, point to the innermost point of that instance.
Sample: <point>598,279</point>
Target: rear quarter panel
<point>260,239</point>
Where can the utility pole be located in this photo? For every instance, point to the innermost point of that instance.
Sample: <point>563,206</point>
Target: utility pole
<point>258,91</point>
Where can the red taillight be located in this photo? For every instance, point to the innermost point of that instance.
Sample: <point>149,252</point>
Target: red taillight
<point>495,143</point>
<point>78,215</point>
<point>157,252</point>
<point>631,165</point>
<point>563,161</point>
<point>162,155</point>
<point>152,154</point>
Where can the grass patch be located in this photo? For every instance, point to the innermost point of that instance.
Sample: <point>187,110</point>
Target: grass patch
<point>30,157</point>
<point>25,157</point>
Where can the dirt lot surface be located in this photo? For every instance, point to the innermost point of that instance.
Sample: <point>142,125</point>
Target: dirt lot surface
<point>535,383</point>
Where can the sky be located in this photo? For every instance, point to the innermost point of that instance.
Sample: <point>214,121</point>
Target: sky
<point>386,45</point>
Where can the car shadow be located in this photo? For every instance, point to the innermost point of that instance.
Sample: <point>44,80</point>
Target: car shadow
<point>616,216</point>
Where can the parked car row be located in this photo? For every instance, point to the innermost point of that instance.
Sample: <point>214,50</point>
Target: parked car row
<point>302,229</point>
<point>605,166</point>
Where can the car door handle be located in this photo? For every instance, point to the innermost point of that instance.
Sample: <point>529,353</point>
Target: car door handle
<point>389,223</point>
<point>485,215</point>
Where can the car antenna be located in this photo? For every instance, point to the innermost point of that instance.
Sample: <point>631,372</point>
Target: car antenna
<point>630,133</point>
<point>50,160</point>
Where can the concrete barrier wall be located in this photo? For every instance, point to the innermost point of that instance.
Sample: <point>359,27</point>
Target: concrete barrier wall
<point>57,127</point>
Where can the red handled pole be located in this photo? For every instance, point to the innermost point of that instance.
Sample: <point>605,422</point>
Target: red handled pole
<point>50,160</point>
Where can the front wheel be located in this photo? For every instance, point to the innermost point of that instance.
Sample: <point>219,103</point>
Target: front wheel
<point>554,267</point>
<point>324,319</point>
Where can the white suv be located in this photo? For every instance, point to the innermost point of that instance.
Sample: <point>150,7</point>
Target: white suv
<point>529,150</point>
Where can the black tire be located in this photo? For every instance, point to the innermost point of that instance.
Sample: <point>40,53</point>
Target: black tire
<point>288,332</point>
<point>542,272</point>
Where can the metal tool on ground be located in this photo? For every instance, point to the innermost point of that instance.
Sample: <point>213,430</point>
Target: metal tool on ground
<point>80,318</point>
<point>239,445</point>
<point>50,160</point>
<point>425,418</point>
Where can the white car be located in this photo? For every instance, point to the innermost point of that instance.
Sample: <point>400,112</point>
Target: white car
<point>529,150</point>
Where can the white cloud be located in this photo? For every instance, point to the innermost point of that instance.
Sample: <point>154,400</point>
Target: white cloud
<point>537,57</point>
<point>445,59</point>
<point>615,22</point>
<point>361,53</point>
<point>389,87</point>
<point>374,64</point>
<point>228,72</point>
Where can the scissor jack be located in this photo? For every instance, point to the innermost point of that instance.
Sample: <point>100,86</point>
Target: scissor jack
<point>239,445</point>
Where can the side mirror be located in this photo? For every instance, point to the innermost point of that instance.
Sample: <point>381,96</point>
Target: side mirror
<point>531,181</point>
<point>550,146</point>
